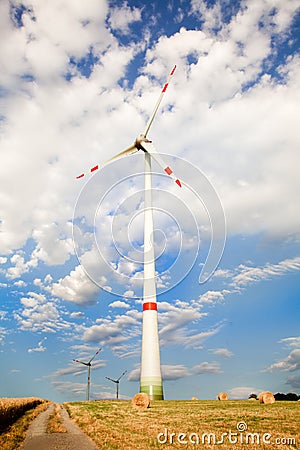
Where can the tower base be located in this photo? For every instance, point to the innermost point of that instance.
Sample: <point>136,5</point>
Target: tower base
<point>153,387</point>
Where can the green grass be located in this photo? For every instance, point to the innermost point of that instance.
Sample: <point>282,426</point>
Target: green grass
<point>116,425</point>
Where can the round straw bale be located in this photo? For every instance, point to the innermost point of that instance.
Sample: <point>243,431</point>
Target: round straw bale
<point>252,399</point>
<point>141,401</point>
<point>260,397</point>
<point>194,398</point>
<point>222,396</point>
<point>268,398</point>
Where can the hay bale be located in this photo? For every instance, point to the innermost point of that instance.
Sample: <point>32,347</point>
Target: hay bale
<point>141,401</point>
<point>266,397</point>
<point>194,398</point>
<point>222,396</point>
<point>252,399</point>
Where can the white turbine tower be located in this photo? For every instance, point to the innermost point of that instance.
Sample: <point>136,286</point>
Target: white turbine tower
<point>88,364</point>
<point>150,377</point>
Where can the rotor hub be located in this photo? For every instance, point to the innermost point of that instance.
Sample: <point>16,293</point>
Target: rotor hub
<point>139,142</point>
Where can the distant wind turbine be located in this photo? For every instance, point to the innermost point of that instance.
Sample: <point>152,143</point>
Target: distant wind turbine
<point>88,364</point>
<point>117,382</point>
<point>150,377</point>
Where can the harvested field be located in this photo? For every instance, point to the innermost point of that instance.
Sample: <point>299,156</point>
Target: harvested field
<point>13,408</point>
<point>14,433</point>
<point>189,424</point>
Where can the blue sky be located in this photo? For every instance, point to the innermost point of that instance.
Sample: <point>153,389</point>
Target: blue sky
<point>78,82</point>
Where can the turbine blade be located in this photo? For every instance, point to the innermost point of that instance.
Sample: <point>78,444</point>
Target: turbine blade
<point>94,355</point>
<point>81,362</point>
<point>151,118</point>
<point>149,148</point>
<point>111,379</point>
<point>128,151</point>
<point>122,375</point>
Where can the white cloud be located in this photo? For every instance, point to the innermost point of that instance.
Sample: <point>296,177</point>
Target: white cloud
<point>121,17</point>
<point>39,348</point>
<point>222,352</point>
<point>242,392</point>
<point>289,364</point>
<point>52,248</point>
<point>39,314</point>
<point>20,265</point>
<point>207,368</point>
<point>77,315</point>
<point>174,372</point>
<point>20,283</point>
<point>3,315</point>
<point>3,333</point>
<point>76,287</point>
<point>116,332</point>
<point>211,15</point>
<point>211,297</point>
<point>134,375</point>
<point>248,275</point>
<point>291,341</point>
<point>174,325</point>
<point>119,304</point>
<point>77,369</point>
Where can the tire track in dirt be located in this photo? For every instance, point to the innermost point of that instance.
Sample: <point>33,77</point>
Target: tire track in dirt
<point>37,437</point>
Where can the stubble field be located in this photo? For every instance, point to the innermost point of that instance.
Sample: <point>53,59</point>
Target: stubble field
<point>190,424</point>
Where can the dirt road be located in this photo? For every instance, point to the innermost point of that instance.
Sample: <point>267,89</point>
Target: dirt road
<point>38,439</point>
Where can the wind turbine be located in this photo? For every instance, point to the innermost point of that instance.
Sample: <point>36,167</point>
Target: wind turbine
<point>88,364</point>
<point>150,377</point>
<point>117,382</point>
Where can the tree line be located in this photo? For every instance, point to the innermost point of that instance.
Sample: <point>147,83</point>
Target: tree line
<point>291,396</point>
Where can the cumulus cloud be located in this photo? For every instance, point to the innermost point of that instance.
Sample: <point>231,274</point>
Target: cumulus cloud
<point>54,118</point>
<point>119,304</point>
<point>122,17</point>
<point>40,314</point>
<point>115,332</point>
<point>76,287</point>
<point>289,364</point>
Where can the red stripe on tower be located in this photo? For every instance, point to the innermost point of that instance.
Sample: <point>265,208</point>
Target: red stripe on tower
<point>94,168</point>
<point>174,68</point>
<point>168,170</point>
<point>165,87</point>
<point>150,306</point>
<point>178,182</point>
<point>80,176</point>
